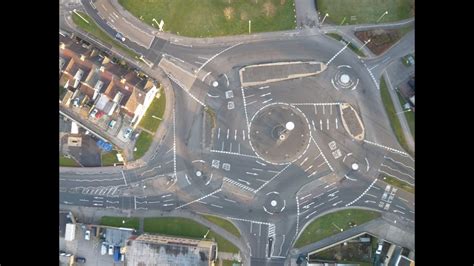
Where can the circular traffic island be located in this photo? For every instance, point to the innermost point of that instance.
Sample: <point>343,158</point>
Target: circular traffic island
<point>279,133</point>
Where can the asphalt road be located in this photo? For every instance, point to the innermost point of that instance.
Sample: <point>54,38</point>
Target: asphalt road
<point>201,169</point>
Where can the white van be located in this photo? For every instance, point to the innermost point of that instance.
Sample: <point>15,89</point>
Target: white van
<point>103,249</point>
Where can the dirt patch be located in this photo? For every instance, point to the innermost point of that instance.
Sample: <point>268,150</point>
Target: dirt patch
<point>269,9</point>
<point>228,13</point>
<point>244,16</point>
<point>380,40</point>
<point>282,2</point>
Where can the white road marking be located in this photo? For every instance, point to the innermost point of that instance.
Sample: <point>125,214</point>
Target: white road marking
<point>388,148</point>
<point>327,123</point>
<point>230,147</point>
<point>330,109</point>
<point>218,206</point>
<point>235,134</point>
<point>222,146</point>
<point>334,204</point>
<point>214,56</point>
<point>243,135</point>
<point>305,196</point>
<point>218,133</point>
<point>228,133</point>
<point>187,179</point>
<point>262,164</point>
<point>332,184</point>
<point>312,122</point>
<point>227,80</point>
<point>311,166</point>
<point>257,169</point>
<point>305,159</point>
<point>367,162</point>
<point>397,211</point>
<point>212,96</point>
<point>251,173</point>
<point>264,87</point>
<point>263,95</point>
<point>361,195</point>
<point>246,182</point>
<point>403,208</point>
<point>336,124</point>
<point>333,198</point>
<point>239,148</point>
<point>271,179</point>
<point>201,198</point>
<point>323,110</point>
<point>397,170</point>
<point>370,195</point>
<point>399,163</point>
<point>229,200</point>
<point>307,216</point>
<point>403,199</point>
<point>267,101</point>
<point>124,179</point>
<point>261,180</point>
<point>313,173</point>
<point>320,124</point>
<point>209,181</point>
<point>272,171</point>
<point>251,103</point>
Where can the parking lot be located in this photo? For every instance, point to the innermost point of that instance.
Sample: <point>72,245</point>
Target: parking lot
<point>88,249</point>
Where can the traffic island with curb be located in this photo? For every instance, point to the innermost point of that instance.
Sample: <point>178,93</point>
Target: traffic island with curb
<point>352,122</point>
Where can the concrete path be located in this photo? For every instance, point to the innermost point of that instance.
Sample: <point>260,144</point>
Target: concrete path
<point>306,14</point>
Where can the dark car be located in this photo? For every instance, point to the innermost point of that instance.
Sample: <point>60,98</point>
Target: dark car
<point>80,259</point>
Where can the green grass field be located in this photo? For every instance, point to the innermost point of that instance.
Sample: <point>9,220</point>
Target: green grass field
<point>64,161</point>
<point>174,226</point>
<point>331,223</point>
<point>142,144</point>
<point>229,262</point>
<point>118,222</point>
<point>157,109</point>
<point>365,11</point>
<point>392,115</point>
<point>228,226</point>
<point>109,158</point>
<point>95,30</point>
<point>208,18</point>
<point>397,183</point>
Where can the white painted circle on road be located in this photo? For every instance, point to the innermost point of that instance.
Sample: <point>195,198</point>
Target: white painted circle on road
<point>290,125</point>
<point>215,83</point>
<point>273,203</point>
<point>345,78</point>
<point>198,173</point>
<point>355,166</point>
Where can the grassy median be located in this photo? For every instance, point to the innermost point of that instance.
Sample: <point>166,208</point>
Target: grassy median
<point>332,223</point>
<point>409,116</point>
<point>365,11</point>
<point>351,45</point>
<point>209,18</point>
<point>94,29</point>
<point>397,183</point>
<point>69,162</point>
<point>183,227</point>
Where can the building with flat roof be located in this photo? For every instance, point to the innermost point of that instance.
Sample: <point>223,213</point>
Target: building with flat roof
<point>150,249</point>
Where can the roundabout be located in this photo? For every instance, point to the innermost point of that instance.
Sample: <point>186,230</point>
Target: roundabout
<point>279,133</point>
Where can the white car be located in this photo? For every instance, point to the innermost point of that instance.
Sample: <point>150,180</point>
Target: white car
<point>127,133</point>
<point>94,112</point>
<point>111,249</point>
<point>379,249</point>
<point>87,235</point>
<point>103,249</point>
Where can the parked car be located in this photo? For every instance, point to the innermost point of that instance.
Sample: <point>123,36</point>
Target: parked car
<point>94,112</point>
<point>135,136</point>
<point>379,249</point>
<point>80,259</point>
<point>87,236</point>
<point>99,114</point>
<point>111,249</point>
<point>127,133</point>
<point>103,249</point>
<point>112,123</point>
<point>75,102</point>
<point>120,36</point>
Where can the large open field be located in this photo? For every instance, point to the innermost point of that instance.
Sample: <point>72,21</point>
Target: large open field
<point>206,18</point>
<point>365,11</point>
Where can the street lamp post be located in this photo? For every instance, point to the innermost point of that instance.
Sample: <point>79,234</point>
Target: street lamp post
<point>327,15</point>
<point>408,110</point>
<point>385,13</point>
<point>365,43</point>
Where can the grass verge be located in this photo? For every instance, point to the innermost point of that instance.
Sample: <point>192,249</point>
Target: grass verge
<point>228,226</point>
<point>210,18</point>
<point>109,158</point>
<point>142,144</point>
<point>332,223</point>
<point>410,116</point>
<point>392,115</point>
<point>94,29</point>
<point>156,109</point>
<point>183,227</point>
<point>118,222</point>
<point>64,161</point>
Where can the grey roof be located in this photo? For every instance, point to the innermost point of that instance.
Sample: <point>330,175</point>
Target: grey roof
<point>117,237</point>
